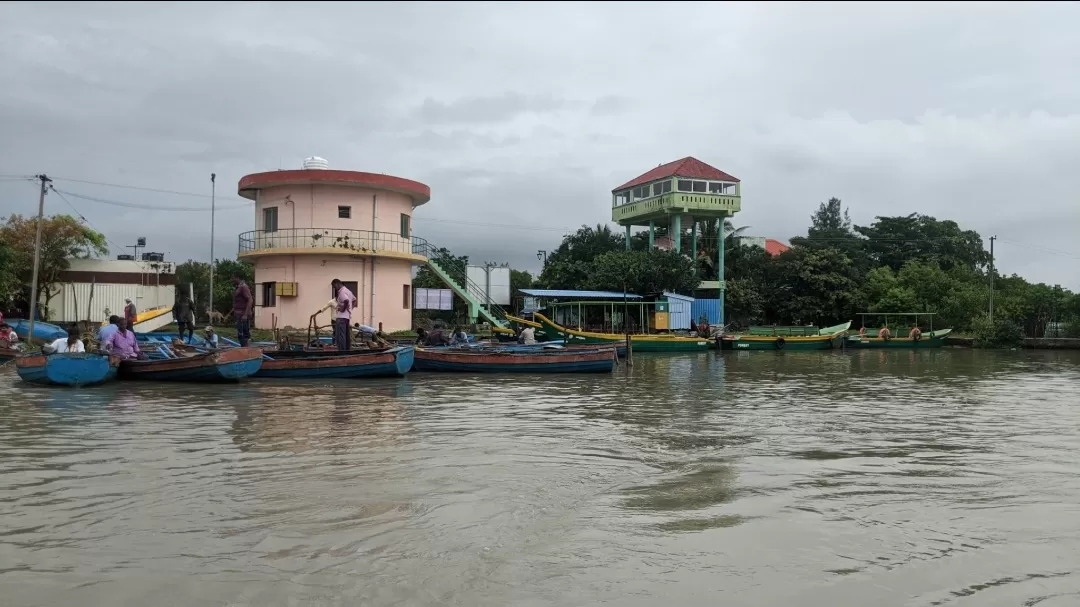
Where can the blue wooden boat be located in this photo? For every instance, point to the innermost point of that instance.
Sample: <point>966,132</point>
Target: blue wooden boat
<point>219,365</point>
<point>558,344</point>
<point>391,362</point>
<point>67,369</point>
<point>43,331</point>
<point>598,360</point>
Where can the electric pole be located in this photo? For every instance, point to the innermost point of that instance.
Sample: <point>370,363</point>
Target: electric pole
<point>213,194</point>
<point>992,239</point>
<point>37,256</point>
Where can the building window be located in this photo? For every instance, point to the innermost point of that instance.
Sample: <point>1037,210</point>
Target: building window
<point>404,225</point>
<point>270,219</point>
<point>268,291</point>
<point>406,296</point>
<point>716,188</point>
<point>685,185</point>
<point>700,186</point>
<point>344,212</point>
<point>661,188</point>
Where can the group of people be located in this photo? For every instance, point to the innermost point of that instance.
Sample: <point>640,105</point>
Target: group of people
<point>438,336</point>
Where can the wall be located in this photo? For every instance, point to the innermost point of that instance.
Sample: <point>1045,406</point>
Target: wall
<point>316,206</point>
<point>679,311</point>
<point>709,308</point>
<point>106,296</point>
<point>314,273</point>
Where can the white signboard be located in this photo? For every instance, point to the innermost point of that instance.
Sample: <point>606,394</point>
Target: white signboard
<point>434,299</point>
<point>494,280</point>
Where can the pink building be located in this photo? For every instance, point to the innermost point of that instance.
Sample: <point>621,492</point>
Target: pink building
<point>314,225</point>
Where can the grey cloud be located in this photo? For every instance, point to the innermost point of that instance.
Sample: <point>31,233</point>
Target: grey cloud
<point>528,115</point>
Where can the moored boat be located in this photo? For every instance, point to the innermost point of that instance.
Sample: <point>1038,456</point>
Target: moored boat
<point>908,338</point>
<point>826,339</point>
<point>7,354</point>
<point>517,324</point>
<point>219,365</point>
<point>639,342</point>
<point>392,362</point>
<point>598,360</point>
<point>67,369</point>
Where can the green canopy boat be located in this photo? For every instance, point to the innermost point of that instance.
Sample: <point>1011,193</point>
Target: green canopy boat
<point>640,342</point>
<point>905,337</point>
<point>786,338</point>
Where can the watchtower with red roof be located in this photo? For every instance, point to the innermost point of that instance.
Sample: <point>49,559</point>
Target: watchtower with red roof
<point>678,195</point>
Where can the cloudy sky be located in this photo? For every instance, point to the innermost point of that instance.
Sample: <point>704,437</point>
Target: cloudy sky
<point>522,117</point>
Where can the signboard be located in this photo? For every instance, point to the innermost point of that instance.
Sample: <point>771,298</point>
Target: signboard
<point>434,299</point>
<point>494,279</point>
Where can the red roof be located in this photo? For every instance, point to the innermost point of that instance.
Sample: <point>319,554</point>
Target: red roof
<point>686,167</point>
<point>775,247</point>
<point>419,192</point>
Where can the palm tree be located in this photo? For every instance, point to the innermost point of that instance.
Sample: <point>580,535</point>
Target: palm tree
<point>707,242</point>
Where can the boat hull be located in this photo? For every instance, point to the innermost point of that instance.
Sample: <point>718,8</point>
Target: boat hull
<point>936,339</point>
<point>67,369</point>
<point>600,360</point>
<point>7,354</point>
<point>639,342</point>
<point>797,344</point>
<point>394,362</point>
<point>219,366</point>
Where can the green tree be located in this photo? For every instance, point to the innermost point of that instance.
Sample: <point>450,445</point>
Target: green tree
<point>9,280</point>
<point>815,286</point>
<point>520,279</point>
<point>197,274</point>
<point>456,266</point>
<point>643,272</point>
<point>62,238</point>
<point>894,241</point>
<point>569,266</point>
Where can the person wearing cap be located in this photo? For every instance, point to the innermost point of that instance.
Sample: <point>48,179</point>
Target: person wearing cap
<point>130,314</point>
<point>210,337</point>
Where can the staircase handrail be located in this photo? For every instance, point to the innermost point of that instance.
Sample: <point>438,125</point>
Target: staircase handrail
<point>431,252</point>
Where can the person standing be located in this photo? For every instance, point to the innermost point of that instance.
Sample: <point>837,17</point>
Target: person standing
<point>346,301</point>
<point>184,314</point>
<point>242,308</point>
<point>130,314</point>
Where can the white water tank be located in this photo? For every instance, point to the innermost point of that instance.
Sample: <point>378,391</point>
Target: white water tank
<point>315,162</point>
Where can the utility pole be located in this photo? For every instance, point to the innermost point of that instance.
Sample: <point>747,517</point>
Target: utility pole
<point>992,239</point>
<point>37,256</point>
<point>213,194</point>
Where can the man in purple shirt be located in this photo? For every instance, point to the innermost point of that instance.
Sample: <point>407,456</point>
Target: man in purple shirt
<point>122,343</point>
<point>346,301</point>
<point>242,305</point>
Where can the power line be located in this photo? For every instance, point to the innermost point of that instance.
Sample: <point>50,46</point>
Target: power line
<point>1038,248</point>
<point>84,219</point>
<point>144,189</point>
<point>149,207</point>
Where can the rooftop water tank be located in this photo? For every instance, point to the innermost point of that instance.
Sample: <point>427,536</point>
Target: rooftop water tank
<point>314,162</point>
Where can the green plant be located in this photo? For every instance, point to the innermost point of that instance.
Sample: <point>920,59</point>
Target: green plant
<point>999,333</point>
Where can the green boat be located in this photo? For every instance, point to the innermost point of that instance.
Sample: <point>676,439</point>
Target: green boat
<point>786,338</point>
<point>517,324</point>
<point>905,339</point>
<point>639,342</point>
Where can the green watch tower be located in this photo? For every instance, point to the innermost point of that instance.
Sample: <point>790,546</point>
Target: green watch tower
<point>679,194</point>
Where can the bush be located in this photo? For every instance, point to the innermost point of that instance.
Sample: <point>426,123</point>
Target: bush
<point>1001,333</point>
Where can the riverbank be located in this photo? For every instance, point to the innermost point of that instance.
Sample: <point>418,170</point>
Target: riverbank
<point>1034,343</point>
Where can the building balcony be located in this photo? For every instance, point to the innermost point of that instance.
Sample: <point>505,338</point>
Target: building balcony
<point>703,205</point>
<point>331,241</point>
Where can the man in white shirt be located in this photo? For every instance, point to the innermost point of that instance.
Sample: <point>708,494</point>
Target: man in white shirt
<point>72,343</point>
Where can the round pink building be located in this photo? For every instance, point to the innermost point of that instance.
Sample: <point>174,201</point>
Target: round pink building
<point>314,225</point>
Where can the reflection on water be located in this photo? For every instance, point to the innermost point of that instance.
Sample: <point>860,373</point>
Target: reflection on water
<point>750,478</point>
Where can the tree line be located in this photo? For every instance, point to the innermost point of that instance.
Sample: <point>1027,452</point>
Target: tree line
<point>908,263</point>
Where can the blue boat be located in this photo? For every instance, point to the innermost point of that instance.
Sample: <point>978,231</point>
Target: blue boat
<point>219,365</point>
<point>43,331</point>
<point>67,369</point>
<point>392,362</point>
<point>596,360</point>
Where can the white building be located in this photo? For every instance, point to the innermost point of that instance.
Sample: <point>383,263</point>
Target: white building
<point>94,289</point>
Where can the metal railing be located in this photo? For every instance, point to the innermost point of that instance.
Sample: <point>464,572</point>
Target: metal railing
<point>458,274</point>
<point>359,241</point>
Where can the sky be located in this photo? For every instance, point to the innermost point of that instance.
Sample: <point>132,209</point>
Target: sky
<point>523,117</point>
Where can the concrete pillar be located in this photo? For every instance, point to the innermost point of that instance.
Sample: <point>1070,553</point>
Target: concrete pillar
<point>720,265</point>
<point>474,313</point>
<point>652,234</point>
<point>693,239</point>
<point>676,233</point>
<point>627,238</point>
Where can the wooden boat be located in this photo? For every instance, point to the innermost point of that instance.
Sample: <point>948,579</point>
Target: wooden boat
<point>558,344</point>
<point>220,365</point>
<point>7,354</point>
<point>868,338</point>
<point>826,339</point>
<point>599,360</point>
<point>639,342</point>
<point>67,369</point>
<point>933,339</point>
<point>391,362</point>
<point>43,332</point>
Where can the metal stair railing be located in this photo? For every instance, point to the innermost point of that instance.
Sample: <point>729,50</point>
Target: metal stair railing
<point>495,312</point>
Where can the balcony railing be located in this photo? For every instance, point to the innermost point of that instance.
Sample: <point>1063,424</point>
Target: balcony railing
<point>356,241</point>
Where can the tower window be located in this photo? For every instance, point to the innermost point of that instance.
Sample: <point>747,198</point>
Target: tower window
<point>344,212</point>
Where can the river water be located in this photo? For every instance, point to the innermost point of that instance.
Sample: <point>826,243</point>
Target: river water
<point>947,477</point>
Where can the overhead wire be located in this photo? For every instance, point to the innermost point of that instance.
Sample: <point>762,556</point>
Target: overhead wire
<point>83,217</point>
